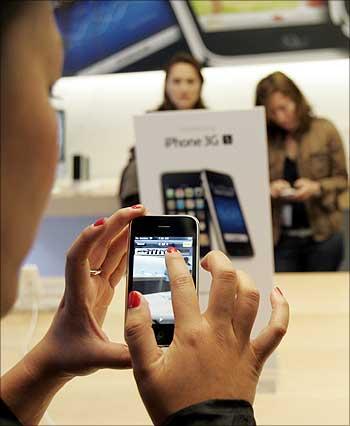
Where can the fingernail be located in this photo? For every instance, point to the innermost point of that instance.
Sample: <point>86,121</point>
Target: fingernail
<point>137,206</point>
<point>171,249</point>
<point>100,221</point>
<point>278,290</point>
<point>134,299</point>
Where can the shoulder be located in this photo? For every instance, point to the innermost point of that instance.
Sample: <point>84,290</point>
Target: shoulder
<point>323,124</point>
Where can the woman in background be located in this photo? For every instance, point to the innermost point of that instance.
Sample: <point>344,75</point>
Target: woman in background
<point>182,90</point>
<point>307,175</point>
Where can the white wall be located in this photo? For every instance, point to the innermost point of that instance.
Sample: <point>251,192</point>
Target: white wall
<point>99,109</point>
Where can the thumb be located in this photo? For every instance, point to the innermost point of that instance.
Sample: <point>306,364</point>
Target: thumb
<point>139,334</point>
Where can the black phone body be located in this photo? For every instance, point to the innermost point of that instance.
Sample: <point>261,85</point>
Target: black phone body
<point>149,238</point>
<point>218,30</point>
<point>183,194</point>
<point>226,214</point>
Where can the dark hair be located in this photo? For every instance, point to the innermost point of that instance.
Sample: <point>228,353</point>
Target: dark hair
<point>9,10</point>
<point>279,82</point>
<point>176,59</point>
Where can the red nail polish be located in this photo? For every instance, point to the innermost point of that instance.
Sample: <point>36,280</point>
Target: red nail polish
<point>278,290</point>
<point>100,221</point>
<point>171,249</point>
<point>137,206</point>
<point>134,299</point>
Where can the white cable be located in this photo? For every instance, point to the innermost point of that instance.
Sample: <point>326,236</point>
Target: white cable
<point>35,295</point>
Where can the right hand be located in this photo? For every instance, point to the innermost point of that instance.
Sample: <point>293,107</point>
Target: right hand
<point>211,355</point>
<point>277,186</point>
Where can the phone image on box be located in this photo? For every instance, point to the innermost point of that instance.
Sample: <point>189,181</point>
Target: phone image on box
<point>226,214</point>
<point>149,238</point>
<point>105,36</point>
<point>217,30</point>
<point>183,194</point>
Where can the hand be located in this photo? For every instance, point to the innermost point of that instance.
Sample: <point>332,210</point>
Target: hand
<point>75,343</point>
<point>306,189</point>
<point>277,186</point>
<point>211,355</point>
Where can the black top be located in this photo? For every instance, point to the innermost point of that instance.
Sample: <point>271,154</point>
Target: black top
<point>6,416</point>
<point>299,213</point>
<point>215,412</point>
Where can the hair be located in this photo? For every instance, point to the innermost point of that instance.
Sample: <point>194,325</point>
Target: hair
<point>279,82</point>
<point>176,59</point>
<point>10,9</point>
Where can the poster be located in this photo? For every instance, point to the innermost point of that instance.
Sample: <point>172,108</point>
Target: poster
<point>213,165</point>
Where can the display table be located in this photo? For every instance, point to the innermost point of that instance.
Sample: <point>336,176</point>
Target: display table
<point>83,198</point>
<point>312,385</point>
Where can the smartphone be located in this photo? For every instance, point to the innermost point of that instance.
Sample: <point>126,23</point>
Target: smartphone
<point>149,238</point>
<point>217,30</point>
<point>106,36</point>
<point>287,192</point>
<point>226,214</point>
<point>183,194</point>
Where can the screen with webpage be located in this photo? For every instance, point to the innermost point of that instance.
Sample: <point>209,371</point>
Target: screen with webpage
<point>227,15</point>
<point>150,275</point>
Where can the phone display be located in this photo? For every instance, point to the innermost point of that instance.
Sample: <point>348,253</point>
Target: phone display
<point>150,236</point>
<point>183,194</point>
<point>219,15</point>
<point>226,214</point>
<point>217,29</point>
<point>106,36</point>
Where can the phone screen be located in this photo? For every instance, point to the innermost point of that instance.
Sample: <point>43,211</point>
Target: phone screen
<point>232,28</point>
<point>227,215</point>
<point>104,36</point>
<point>150,275</point>
<point>183,194</point>
<point>147,268</point>
<point>221,15</point>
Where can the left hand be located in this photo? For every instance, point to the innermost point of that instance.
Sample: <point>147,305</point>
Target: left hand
<point>75,343</point>
<point>306,189</point>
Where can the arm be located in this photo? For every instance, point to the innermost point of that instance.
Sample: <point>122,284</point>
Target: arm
<point>75,344</point>
<point>325,190</point>
<point>338,181</point>
<point>28,390</point>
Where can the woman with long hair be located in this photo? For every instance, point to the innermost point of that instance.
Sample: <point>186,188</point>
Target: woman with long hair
<point>307,175</point>
<point>182,91</point>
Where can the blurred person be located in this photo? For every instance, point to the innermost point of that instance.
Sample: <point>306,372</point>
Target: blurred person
<point>182,91</point>
<point>75,344</point>
<point>307,175</point>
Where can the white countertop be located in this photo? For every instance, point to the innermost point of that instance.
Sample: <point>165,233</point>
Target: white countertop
<point>83,198</point>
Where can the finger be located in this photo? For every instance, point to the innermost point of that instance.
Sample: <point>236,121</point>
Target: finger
<point>269,338</point>
<point>113,226</point>
<point>118,272</point>
<point>115,253</point>
<point>77,266</point>
<point>183,292</point>
<point>223,288</point>
<point>139,334</point>
<point>299,183</point>
<point>112,355</point>
<point>246,307</point>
